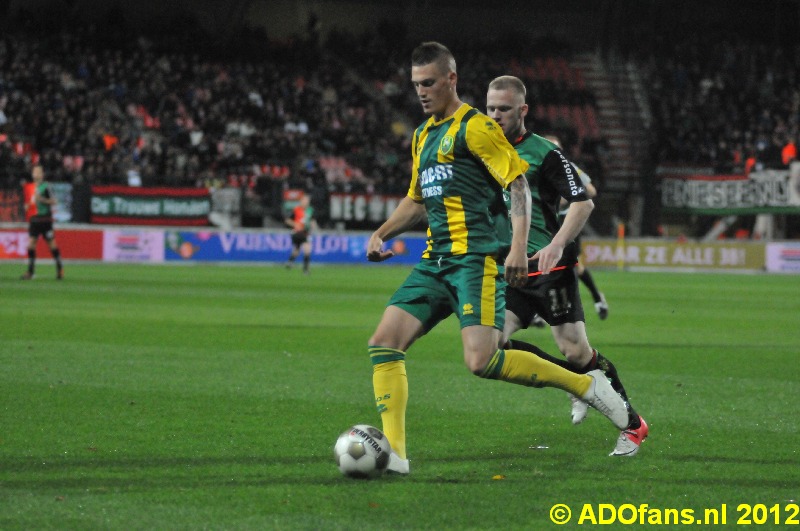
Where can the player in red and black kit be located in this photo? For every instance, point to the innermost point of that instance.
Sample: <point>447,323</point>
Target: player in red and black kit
<point>552,290</point>
<point>302,222</point>
<point>40,224</point>
<point>600,303</point>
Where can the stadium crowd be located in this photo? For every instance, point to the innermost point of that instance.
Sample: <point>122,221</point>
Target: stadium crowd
<point>723,102</point>
<point>136,110</point>
<point>337,115</point>
<point>140,113</point>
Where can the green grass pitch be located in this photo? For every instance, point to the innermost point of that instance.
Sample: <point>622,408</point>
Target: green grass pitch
<point>209,397</point>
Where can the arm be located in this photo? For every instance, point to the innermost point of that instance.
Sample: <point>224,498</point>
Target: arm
<point>486,141</point>
<point>407,215</point>
<point>577,215</point>
<point>517,260</point>
<point>591,191</point>
<point>586,181</point>
<point>572,188</point>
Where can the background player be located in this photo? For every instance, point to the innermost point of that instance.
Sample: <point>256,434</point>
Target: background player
<point>600,304</point>
<point>552,287</point>
<point>302,223</point>
<point>40,212</point>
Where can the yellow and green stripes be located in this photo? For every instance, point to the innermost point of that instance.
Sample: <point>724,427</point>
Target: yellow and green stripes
<point>380,355</point>
<point>494,368</point>
<point>489,292</point>
<point>456,224</point>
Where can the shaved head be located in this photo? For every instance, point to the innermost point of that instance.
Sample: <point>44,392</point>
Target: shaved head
<point>436,53</point>
<point>510,83</point>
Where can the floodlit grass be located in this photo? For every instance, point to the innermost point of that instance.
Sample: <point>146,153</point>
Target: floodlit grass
<point>209,397</point>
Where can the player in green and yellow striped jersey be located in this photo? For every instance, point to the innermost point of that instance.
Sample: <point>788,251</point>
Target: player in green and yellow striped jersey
<point>462,163</point>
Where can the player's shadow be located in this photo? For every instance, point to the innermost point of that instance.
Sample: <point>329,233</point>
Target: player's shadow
<point>101,475</point>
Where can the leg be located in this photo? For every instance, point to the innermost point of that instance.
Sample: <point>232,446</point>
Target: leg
<point>292,256</point>
<point>480,344</point>
<point>306,248</point>
<point>579,407</point>
<point>512,325</point>
<point>54,250</point>
<point>573,343</point>
<point>417,306</point>
<point>32,239</point>
<point>484,359</point>
<point>396,332</point>
<point>526,368</point>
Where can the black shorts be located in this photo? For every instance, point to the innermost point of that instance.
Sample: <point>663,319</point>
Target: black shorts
<point>299,238</point>
<point>555,297</point>
<point>41,227</point>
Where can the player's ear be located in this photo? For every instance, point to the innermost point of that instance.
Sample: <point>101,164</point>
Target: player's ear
<point>523,110</point>
<point>452,79</point>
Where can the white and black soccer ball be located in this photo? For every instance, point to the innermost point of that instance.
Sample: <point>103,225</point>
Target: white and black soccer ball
<point>362,452</point>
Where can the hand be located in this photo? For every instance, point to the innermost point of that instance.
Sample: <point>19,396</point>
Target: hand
<point>375,252</point>
<point>548,257</point>
<point>516,268</point>
<point>380,256</point>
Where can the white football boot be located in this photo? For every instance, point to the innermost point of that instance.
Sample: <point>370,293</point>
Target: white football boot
<point>606,400</point>
<point>629,440</point>
<point>579,409</point>
<point>397,465</point>
<point>601,307</point>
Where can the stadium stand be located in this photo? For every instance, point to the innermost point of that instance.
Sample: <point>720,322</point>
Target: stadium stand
<point>143,113</point>
<point>334,113</point>
<point>720,102</point>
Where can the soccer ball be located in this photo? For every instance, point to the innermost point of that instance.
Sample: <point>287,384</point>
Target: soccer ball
<point>362,452</point>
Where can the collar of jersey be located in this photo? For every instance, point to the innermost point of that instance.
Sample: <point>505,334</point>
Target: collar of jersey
<point>460,112</point>
<point>522,137</point>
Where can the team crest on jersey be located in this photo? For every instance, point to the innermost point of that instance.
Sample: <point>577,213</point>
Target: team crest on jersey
<point>446,145</point>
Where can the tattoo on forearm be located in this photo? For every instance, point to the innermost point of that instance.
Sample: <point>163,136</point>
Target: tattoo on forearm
<point>519,196</point>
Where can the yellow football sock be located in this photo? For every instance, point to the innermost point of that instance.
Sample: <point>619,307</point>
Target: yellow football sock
<point>390,383</point>
<point>525,368</point>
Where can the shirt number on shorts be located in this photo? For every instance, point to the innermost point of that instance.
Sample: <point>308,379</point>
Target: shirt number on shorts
<point>559,301</point>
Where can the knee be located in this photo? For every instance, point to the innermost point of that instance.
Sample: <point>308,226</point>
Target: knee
<point>388,340</point>
<point>476,369</point>
<point>576,354</point>
<point>378,339</point>
<point>477,362</point>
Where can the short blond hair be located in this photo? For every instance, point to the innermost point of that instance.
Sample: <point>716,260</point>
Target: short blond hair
<point>511,83</point>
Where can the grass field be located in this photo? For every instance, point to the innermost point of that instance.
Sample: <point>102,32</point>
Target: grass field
<point>209,397</point>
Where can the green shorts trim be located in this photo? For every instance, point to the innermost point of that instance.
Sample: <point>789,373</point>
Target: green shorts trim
<point>471,285</point>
